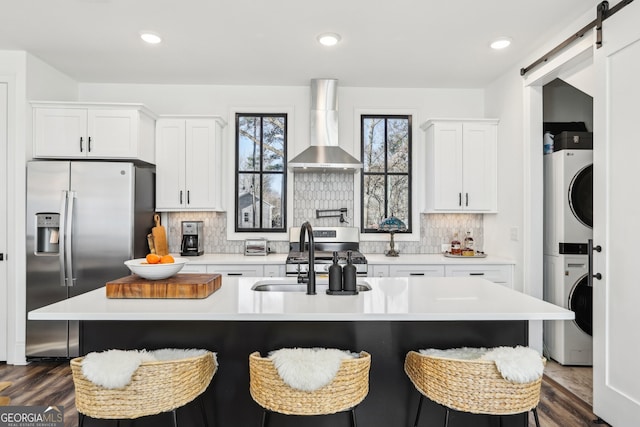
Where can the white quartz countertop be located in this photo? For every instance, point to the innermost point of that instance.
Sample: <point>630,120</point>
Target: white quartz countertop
<point>403,259</point>
<point>394,299</point>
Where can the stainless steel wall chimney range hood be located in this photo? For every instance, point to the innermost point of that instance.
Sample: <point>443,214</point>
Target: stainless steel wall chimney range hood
<point>324,154</point>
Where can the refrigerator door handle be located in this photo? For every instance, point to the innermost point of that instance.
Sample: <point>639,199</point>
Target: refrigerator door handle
<point>68,242</point>
<point>63,238</point>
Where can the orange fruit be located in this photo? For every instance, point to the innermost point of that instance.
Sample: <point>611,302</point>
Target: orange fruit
<point>153,259</point>
<point>167,259</point>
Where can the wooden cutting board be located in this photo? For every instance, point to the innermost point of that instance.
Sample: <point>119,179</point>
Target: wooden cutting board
<point>179,286</point>
<point>159,237</point>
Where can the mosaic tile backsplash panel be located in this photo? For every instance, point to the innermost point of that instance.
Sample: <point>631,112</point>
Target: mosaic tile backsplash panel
<point>314,191</point>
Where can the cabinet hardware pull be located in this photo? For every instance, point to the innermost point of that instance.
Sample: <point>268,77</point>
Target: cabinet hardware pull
<point>234,274</point>
<point>89,144</point>
<point>188,197</point>
<point>476,274</point>
<point>466,202</point>
<point>459,199</point>
<point>180,196</point>
<point>81,144</point>
<point>416,274</point>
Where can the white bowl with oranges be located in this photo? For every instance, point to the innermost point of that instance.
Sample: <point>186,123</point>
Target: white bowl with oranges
<point>155,267</point>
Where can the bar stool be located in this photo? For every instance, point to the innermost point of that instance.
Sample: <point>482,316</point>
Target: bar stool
<point>474,386</point>
<point>348,388</point>
<point>155,387</point>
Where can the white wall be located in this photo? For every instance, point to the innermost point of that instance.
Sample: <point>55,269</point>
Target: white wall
<point>30,78</point>
<point>12,71</point>
<point>520,159</point>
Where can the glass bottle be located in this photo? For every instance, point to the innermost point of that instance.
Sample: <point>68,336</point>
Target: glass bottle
<point>456,247</point>
<point>468,242</point>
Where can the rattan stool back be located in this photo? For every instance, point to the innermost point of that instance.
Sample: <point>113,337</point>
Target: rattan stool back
<point>348,388</point>
<point>155,387</point>
<point>474,386</point>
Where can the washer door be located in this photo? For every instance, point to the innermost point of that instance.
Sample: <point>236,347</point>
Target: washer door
<point>581,303</point>
<point>581,196</point>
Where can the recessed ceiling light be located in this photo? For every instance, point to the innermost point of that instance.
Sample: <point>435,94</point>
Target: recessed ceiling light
<point>150,37</point>
<point>500,43</point>
<point>329,39</point>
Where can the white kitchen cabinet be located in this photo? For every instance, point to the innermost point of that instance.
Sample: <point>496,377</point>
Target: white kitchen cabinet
<point>248,270</point>
<point>189,163</point>
<point>417,270</point>
<point>274,270</point>
<point>93,131</point>
<point>501,274</point>
<point>461,165</point>
<point>378,270</point>
<point>194,268</point>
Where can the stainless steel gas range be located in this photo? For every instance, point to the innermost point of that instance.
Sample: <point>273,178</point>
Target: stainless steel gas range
<point>327,240</point>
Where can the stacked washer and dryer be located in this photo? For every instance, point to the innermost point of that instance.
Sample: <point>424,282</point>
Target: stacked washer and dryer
<point>568,226</point>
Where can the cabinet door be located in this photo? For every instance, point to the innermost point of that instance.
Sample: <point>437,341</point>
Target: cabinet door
<point>112,133</point>
<point>237,270</point>
<point>501,274</point>
<point>170,164</point>
<point>202,165</point>
<point>447,164</point>
<point>416,270</point>
<point>479,167</point>
<point>274,270</point>
<point>60,132</point>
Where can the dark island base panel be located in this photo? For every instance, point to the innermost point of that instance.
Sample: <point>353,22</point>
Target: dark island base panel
<point>392,399</point>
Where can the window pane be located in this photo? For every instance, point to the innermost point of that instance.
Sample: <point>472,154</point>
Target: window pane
<point>373,200</point>
<point>386,178</point>
<point>398,196</point>
<point>261,149</point>
<point>249,206</point>
<point>398,145</point>
<point>273,143</point>
<point>249,143</point>
<point>373,144</point>
<point>273,206</point>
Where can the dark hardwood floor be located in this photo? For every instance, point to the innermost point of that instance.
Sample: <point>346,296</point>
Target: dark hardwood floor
<point>50,383</point>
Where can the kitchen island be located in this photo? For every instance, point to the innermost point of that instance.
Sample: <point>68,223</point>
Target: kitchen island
<point>395,316</point>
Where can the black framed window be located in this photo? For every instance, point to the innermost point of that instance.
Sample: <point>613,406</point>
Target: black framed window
<point>261,179</point>
<point>386,173</point>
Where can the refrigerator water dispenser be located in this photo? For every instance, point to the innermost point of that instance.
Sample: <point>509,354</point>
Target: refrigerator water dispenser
<point>47,233</point>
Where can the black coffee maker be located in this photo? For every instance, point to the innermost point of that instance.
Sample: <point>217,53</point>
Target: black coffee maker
<point>192,238</point>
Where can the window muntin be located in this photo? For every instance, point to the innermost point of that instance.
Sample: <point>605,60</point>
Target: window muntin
<point>386,175</point>
<point>261,152</point>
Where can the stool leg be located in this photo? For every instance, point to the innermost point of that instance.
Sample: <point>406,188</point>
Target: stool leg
<point>203,411</point>
<point>80,419</point>
<point>535,416</point>
<point>353,418</point>
<point>265,418</point>
<point>415,424</point>
<point>174,415</point>
<point>446,418</point>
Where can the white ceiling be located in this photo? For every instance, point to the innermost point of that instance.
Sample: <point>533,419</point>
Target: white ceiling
<point>399,43</point>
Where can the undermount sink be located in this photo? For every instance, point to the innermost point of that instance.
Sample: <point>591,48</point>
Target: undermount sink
<point>294,286</point>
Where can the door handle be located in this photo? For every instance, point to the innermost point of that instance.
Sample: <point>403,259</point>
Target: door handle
<point>590,250</point>
<point>459,199</point>
<point>466,199</point>
<point>81,144</point>
<point>89,144</point>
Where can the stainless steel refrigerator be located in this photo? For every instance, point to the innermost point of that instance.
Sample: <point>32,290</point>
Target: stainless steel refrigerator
<point>84,219</point>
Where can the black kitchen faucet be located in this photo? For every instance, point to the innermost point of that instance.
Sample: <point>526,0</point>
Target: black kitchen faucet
<point>310,280</point>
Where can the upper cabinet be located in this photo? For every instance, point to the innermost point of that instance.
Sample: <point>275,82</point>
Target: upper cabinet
<point>189,163</point>
<point>70,130</point>
<point>461,165</point>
